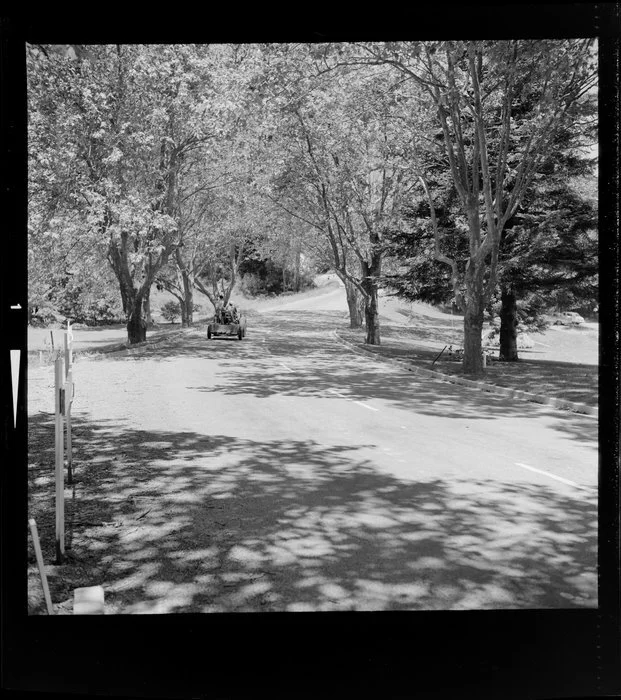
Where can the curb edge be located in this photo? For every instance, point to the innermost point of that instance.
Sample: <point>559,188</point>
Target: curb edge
<point>562,404</point>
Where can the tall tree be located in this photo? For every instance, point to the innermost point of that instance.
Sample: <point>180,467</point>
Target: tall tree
<point>124,120</point>
<point>233,227</point>
<point>549,246</point>
<point>476,88</point>
<point>550,252</point>
<point>213,183</point>
<point>339,171</point>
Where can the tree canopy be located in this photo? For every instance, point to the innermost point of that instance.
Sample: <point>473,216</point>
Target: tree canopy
<point>441,168</point>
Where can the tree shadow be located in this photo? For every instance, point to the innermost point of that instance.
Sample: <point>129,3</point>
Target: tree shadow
<point>316,363</point>
<point>314,367</point>
<point>174,522</point>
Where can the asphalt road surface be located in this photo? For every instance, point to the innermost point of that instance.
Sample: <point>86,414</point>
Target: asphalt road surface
<point>284,472</point>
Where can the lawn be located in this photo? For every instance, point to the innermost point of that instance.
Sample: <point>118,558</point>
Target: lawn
<point>563,362</point>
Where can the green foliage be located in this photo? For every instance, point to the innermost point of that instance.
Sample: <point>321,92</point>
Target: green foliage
<point>75,301</point>
<point>261,277</point>
<point>194,165</point>
<point>547,250</point>
<point>171,310</point>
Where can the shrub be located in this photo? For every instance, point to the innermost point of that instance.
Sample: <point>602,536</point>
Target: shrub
<point>101,312</point>
<point>171,310</point>
<point>252,285</point>
<point>46,317</point>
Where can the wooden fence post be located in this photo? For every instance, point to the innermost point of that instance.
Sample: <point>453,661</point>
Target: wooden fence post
<point>60,471</point>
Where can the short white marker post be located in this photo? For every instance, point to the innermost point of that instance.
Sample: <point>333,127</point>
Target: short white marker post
<point>37,547</point>
<point>88,601</point>
<point>60,475</point>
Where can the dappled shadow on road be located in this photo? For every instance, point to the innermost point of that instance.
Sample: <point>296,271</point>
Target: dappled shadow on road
<point>185,522</point>
<point>317,363</point>
<point>295,353</point>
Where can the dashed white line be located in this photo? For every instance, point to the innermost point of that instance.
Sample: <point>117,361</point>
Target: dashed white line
<point>335,391</point>
<point>364,405</point>
<point>553,476</point>
<point>360,403</point>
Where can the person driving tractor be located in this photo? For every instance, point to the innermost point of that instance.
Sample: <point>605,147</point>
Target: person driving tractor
<point>230,310</point>
<point>226,313</point>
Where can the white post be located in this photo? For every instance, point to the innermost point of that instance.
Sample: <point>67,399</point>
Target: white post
<point>452,328</point>
<point>68,389</point>
<point>68,349</point>
<point>37,547</point>
<point>89,601</point>
<point>60,472</point>
<point>68,398</point>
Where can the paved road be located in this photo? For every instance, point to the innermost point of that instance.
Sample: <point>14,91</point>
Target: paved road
<point>283,472</point>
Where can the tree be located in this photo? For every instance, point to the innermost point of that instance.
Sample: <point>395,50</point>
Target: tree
<point>550,245</point>
<point>339,171</point>
<point>197,218</point>
<point>116,124</point>
<point>170,311</point>
<point>475,88</point>
<point>550,252</point>
<point>213,184</point>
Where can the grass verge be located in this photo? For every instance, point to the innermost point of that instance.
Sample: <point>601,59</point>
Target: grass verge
<point>562,380</point>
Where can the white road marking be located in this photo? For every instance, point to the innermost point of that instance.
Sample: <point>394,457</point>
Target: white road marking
<point>334,391</point>
<point>553,476</point>
<point>366,406</point>
<point>360,403</point>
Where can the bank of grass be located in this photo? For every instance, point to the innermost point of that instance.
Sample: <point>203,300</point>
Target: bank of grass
<point>422,347</point>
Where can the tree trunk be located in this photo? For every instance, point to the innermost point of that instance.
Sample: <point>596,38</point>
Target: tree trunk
<point>296,279</point>
<point>370,276</point>
<point>136,324</point>
<point>147,309</point>
<point>508,326</point>
<point>355,302</point>
<point>135,301</point>
<point>371,317</point>
<point>473,319</point>
<point>371,306</point>
<point>187,304</point>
